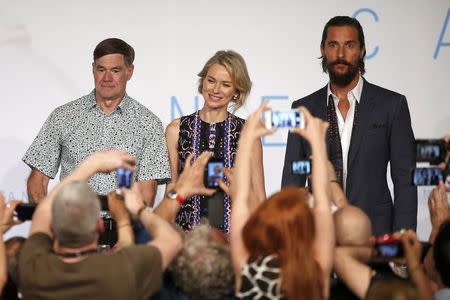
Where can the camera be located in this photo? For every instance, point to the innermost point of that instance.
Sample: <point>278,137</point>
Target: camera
<point>427,176</point>
<point>301,167</point>
<point>213,172</point>
<point>124,178</point>
<point>25,211</point>
<point>431,151</point>
<point>290,119</point>
<point>388,247</point>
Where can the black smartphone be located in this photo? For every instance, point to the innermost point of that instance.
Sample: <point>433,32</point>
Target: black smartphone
<point>124,178</point>
<point>427,176</point>
<point>432,151</point>
<point>301,167</point>
<point>25,211</point>
<point>388,247</point>
<point>212,172</point>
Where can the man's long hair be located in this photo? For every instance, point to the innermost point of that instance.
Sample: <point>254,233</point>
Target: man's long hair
<point>344,21</point>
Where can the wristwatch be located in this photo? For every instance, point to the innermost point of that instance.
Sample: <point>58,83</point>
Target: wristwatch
<point>172,194</point>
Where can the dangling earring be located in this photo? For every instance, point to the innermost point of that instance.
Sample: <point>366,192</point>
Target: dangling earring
<point>235,97</point>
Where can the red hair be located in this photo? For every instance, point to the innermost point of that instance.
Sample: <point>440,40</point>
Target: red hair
<point>284,225</point>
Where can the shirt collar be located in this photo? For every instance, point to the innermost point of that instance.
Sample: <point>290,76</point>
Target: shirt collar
<point>91,103</point>
<point>355,92</point>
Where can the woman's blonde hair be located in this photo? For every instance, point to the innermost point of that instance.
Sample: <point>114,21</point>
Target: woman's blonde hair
<point>236,67</point>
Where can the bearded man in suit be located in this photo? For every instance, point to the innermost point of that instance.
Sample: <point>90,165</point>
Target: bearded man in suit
<point>369,127</point>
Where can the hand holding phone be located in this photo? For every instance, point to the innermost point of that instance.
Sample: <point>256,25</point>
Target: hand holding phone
<point>212,173</point>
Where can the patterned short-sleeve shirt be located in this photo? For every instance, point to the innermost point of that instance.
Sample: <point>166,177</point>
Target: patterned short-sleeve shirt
<point>79,128</point>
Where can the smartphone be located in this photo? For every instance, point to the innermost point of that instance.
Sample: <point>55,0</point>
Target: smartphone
<point>301,167</point>
<point>25,211</point>
<point>279,119</point>
<point>432,151</point>
<point>427,176</point>
<point>124,178</point>
<point>388,247</point>
<point>213,172</point>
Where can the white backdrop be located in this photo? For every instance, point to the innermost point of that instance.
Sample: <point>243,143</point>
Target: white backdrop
<point>46,54</point>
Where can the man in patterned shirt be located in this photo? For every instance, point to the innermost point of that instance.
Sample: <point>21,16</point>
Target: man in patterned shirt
<point>105,119</point>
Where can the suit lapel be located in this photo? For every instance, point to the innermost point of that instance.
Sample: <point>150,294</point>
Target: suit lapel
<point>320,111</point>
<point>366,104</point>
<point>320,108</point>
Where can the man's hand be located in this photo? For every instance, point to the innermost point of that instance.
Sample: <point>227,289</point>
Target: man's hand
<point>438,207</point>
<point>412,249</point>
<point>107,161</point>
<point>190,182</point>
<point>134,201</point>
<point>117,208</point>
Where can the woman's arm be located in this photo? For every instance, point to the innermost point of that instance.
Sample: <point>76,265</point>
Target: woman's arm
<point>324,241</point>
<point>172,134</point>
<point>257,175</point>
<point>240,189</point>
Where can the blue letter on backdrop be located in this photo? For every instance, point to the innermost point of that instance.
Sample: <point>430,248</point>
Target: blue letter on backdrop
<point>375,17</point>
<point>175,107</point>
<point>441,37</point>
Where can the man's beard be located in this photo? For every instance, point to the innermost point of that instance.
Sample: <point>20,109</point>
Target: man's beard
<point>341,79</point>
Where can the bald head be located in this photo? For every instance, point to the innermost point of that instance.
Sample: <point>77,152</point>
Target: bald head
<point>352,227</point>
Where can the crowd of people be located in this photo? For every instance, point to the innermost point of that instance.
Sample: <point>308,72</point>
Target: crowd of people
<point>341,237</point>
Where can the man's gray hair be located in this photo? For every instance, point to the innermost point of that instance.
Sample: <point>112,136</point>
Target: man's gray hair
<point>75,212</point>
<point>203,269</point>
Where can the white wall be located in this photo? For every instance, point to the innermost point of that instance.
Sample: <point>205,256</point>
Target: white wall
<point>46,54</point>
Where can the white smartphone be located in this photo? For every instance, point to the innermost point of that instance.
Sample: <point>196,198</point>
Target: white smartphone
<point>286,119</point>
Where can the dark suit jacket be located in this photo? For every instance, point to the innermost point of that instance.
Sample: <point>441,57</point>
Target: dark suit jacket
<point>382,134</point>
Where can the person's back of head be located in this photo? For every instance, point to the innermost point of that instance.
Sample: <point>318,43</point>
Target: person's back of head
<point>284,226</point>
<point>203,269</point>
<point>352,227</point>
<point>441,253</point>
<point>392,289</point>
<point>75,215</point>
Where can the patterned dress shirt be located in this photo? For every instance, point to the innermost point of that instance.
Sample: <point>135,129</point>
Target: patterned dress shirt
<point>79,128</point>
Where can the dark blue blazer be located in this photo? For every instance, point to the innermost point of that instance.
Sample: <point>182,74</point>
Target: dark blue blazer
<point>382,134</point>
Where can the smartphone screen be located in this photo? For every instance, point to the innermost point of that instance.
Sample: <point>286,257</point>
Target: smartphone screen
<point>280,119</point>
<point>389,250</point>
<point>432,151</point>
<point>427,176</point>
<point>124,178</point>
<point>213,172</point>
<point>301,167</point>
<point>388,247</point>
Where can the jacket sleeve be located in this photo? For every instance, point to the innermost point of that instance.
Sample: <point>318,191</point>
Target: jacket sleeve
<point>402,162</point>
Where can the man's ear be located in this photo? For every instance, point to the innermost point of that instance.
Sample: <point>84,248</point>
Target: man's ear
<point>100,226</point>
<point>321,50</point>
<point>130,71</point>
